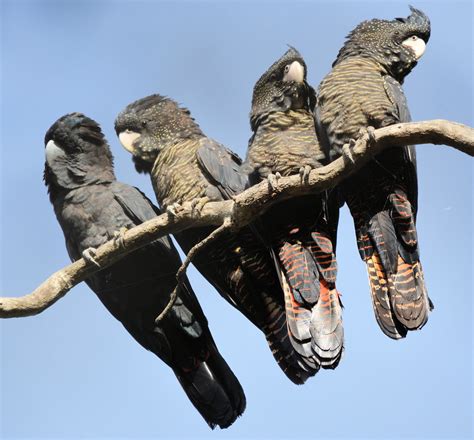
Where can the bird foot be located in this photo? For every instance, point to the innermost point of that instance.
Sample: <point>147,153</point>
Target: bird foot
<point>173,210</point>
<point>119,240</point>
<point>371,134</point>
<point>89,255</point>
<point>304,173</point>
<point>347,150</point>
<point>198,204</point>
<point>273,180</point>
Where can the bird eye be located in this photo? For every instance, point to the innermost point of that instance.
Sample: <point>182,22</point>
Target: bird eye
<point>414,38</point>
<point>287,68</point>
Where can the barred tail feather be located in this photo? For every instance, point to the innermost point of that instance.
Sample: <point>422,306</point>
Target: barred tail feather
<point>326,327</point>
<point>399,295</point>
<point>380,287</point>
<point>410,299</point>
<point>388,243</point>
<point>296,369</point>
<point>313,308</point>
<point>298,321</point>
<point>260,299</point>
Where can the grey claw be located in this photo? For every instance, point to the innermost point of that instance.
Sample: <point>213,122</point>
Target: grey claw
<point>273,180</point>
<point>89,255</point>
<point>198,204</point>
<point>118,237</point>
<point>173,209</point>
<point>347,152</point>
<point>304,173</point>
<point>371,133</point>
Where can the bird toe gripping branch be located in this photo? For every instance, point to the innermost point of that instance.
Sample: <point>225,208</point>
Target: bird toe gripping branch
<point>347,151</point>
<point>119,237</point>
<point>89,255</point>
<point>273,180</point>
<point>174,209</point>
<point>304,174</point>
<point>198,204</point>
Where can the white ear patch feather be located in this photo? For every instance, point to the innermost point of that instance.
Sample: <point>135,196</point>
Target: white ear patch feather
<point>127,138</point>
<point>417,45</point>
<point>53,152</point>
<point>295,72</point>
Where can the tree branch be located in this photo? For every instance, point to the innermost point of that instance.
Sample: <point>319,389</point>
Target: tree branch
<point>189,258</point>
<point>245,207</point>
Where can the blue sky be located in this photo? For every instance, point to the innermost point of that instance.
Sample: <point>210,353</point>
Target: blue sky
<point>74,372</point>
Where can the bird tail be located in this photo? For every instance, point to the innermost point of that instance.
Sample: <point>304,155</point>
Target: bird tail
<point>214,390</point>
<point>298,370</point>
<point>261,300</point>
<point>307,269</point>
<point>388,243</point>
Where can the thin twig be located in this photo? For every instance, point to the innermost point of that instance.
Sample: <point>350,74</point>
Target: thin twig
<point>182,269</point>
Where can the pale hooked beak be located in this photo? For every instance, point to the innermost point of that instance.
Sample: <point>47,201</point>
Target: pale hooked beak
<point>295,72</point>
<point>53,152</point>
<point>127,139</point>
<point>416,44</point>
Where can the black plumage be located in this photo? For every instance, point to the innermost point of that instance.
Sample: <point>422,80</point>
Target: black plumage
<point>91,205</point>
<point>364,89</point>
<point>186,165</point>
<point>298,231</point>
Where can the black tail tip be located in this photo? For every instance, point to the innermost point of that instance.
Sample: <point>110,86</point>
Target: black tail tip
<point>224,424</point>
<point>214,391</point>
<point>431,305</point>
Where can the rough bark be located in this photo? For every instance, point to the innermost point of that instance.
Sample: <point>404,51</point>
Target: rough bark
<point>244,208</point>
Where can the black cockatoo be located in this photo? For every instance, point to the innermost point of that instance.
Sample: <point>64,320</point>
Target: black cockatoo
<point>186,165</point>
<point>91,206</point>
<point>364,90</point>
<point>299,230</point>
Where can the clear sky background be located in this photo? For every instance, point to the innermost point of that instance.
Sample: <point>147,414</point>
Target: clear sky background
<point>73,371</point>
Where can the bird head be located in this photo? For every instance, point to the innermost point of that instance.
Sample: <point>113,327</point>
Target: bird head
<point>281,88</point>
<point>396,44</point>
<point>149,125</point>
<point>76,153</point>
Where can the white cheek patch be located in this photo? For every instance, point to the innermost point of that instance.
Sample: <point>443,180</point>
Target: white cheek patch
<point>418,46</point>
<point>53,152</point>
<point>295,73</point>
<point>127,138</point>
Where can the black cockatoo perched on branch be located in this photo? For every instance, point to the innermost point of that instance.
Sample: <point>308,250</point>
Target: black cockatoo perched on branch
<point>299,231</point>
<point>91,206</point>
<point>364,90</point>
<point>186,165</point>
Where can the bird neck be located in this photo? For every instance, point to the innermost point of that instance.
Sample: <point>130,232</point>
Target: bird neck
<point>397,68</point>
<point>176,175</point>
<point>300,119</point>
<point>59,190</point>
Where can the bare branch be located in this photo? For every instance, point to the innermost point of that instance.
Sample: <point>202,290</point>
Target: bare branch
<point>246,207</point>
<point>182,269</point>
